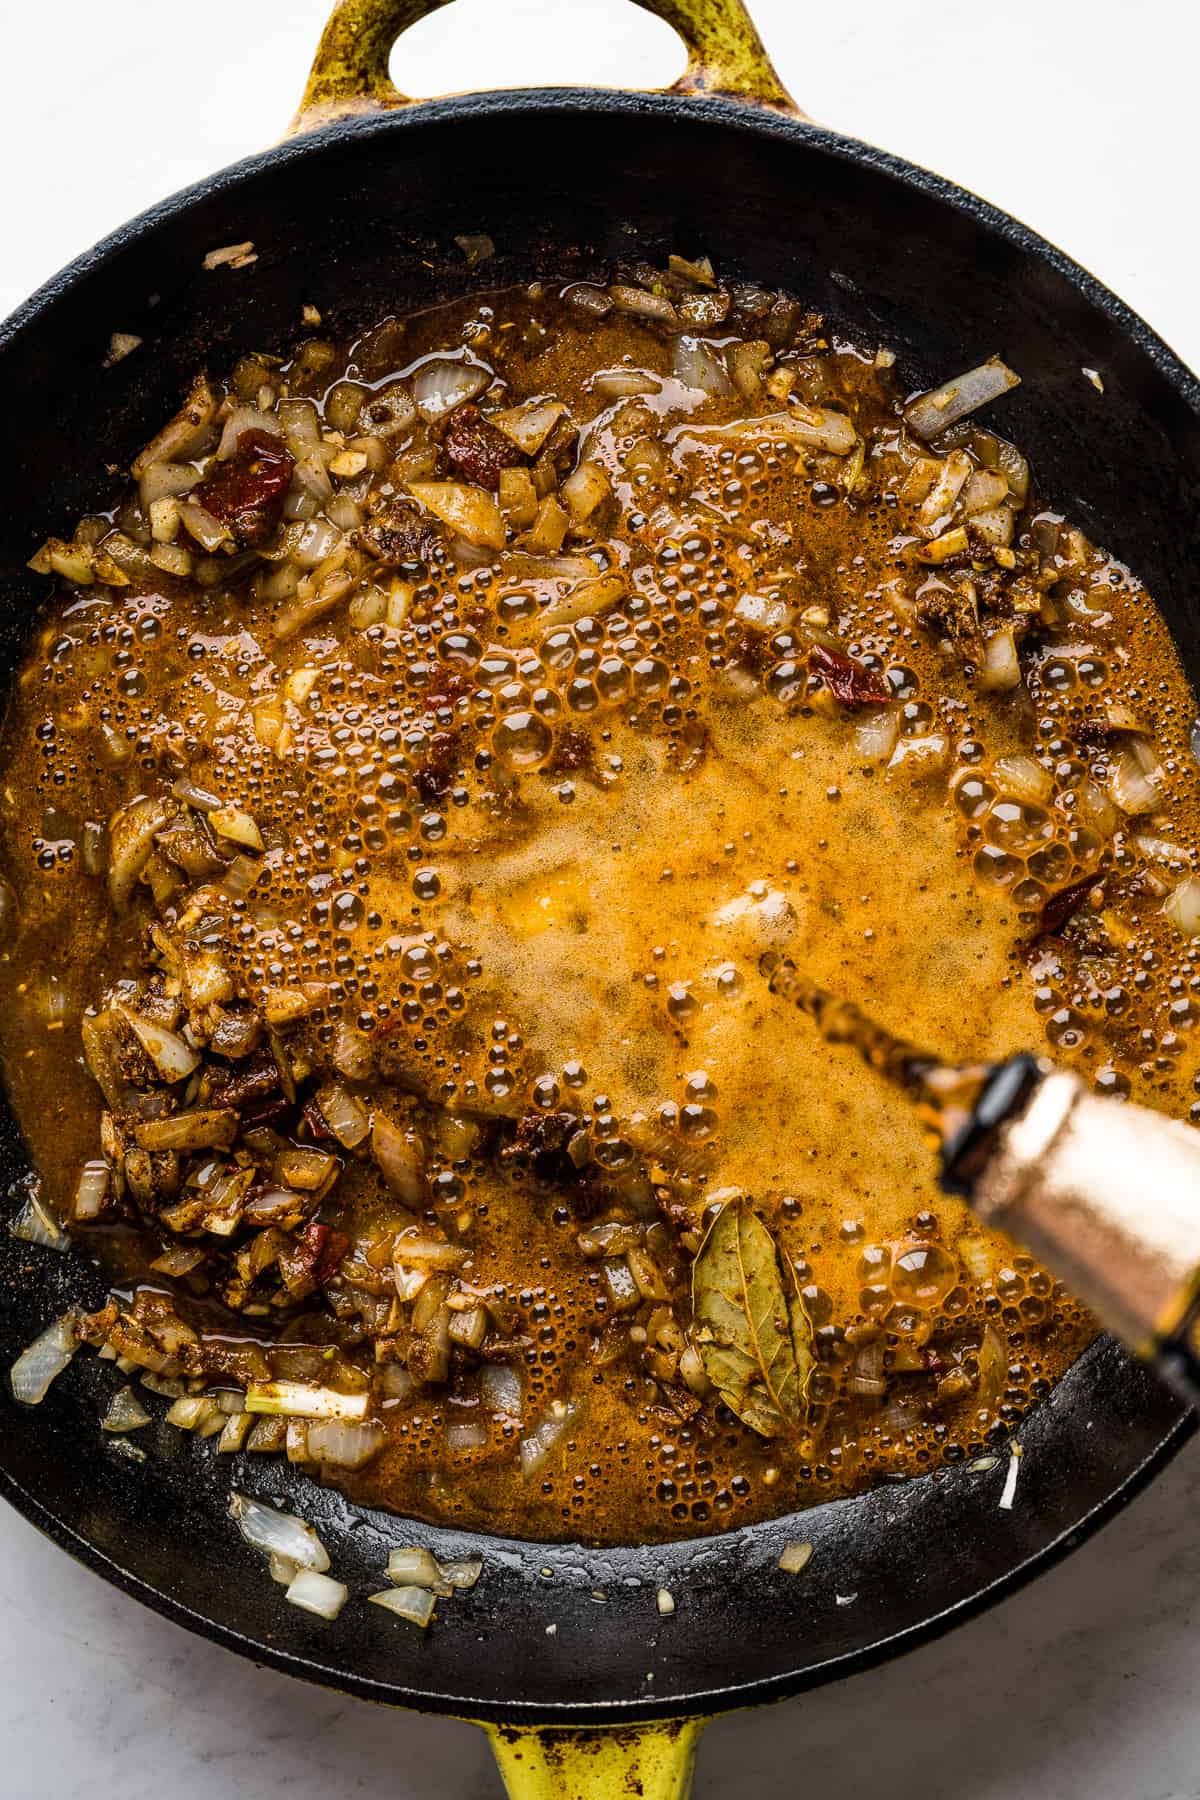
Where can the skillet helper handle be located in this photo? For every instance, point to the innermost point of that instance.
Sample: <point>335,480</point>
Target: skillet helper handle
<point>654,1762</point>
<point>349,76</point>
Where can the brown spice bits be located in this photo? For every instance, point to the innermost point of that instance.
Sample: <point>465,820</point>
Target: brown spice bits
<point>477,450</point>
<point>246,492</point>
<point>398,534</point>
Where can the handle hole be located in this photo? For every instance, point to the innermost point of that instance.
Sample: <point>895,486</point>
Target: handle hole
<point>478,44</point>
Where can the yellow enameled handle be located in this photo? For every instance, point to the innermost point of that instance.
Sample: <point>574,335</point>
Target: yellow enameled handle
<point>350,71</point>
<point>654,1762</point>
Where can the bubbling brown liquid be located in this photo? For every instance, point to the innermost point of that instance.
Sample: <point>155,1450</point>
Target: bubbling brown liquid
<point>534,850</point>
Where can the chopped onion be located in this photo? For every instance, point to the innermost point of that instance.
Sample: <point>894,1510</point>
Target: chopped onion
<point>469,511</point>
<point>528,427</point>
<point>303,1400</point>
<point>125,1412</point>
<point>665,1602</point>
<point>876,732</point>
<point>642,304</point>
<point>795,1558</point>
<point>921,756</point>
<point>866,1371</point>
<point>245,418</point>
<point>412,1603</point>
<point>281,1569</point>
<point>1096,809</point>
<point>466,1434</point>
<point>411,1247</point>
<point>34,1225</point>
<point>500,1389</point>
<point>414,1566</point>
<point>344,1445</point>
<point>1023,778</point>
<point>976,1256</point>
<point>345,1116</point>
<point>624,384</point>
<point>440,385</point>
<point>208,531</point>
<point>698,365</point>
<point>585,490</point>
<point>318,1594</point>
<point>1133,783</point>
<point>91,1191</point>
<point>278,1533</point>
<point>537,1446</point>
<point>401,1156</point>
<point>1160,849</point>
<point>1000,670</point>
<point>941,407</point>
<point>462,1573</point>
<point>171,1055</point>
<point>1182,907</point>
<point>44,1361</point>
<point>811,427</point>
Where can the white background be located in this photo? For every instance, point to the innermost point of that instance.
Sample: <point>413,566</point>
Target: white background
<point>1078,116</point>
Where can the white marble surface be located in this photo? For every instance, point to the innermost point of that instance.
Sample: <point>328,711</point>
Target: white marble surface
<point>1074,114</point>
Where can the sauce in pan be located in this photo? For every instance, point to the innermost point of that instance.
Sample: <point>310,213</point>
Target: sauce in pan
<point>404,785</point>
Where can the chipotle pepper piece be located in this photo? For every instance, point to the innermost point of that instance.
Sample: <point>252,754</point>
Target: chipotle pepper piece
<point>477,449</point>
<point>246,491</point>
<point>848,681</point>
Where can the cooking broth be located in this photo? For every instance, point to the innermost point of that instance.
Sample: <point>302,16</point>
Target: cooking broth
<point>404,784</point>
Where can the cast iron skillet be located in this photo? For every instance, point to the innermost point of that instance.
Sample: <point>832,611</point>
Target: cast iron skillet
<point>359,215</point>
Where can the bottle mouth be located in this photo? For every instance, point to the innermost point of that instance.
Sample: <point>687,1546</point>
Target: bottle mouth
<point>1005,1093</point>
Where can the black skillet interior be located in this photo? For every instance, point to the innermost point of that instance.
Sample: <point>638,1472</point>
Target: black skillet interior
<point>361,219</point>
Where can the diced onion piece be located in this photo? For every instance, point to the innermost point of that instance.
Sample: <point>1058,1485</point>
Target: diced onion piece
<point>125,1412</point>
<point>1134,782</point>
<point>941,407</point>
<point>172,1056</point>
<point>440,385</point>
<point>412,1603</point>
<point>91,1191</point>
<point>245,418</point>
<point>995,526</point>
<point>34,1225</point>
<point>304,1400</point>
<point>344,1445</point>
<point>643,305</point>
<point>664,1600</point>
<point>318,1594</point>
<point>921,756</point>
<point>984,490</point>
<point>1182,907</point>
<point>811,427</point>
<point>281,1568</point>
<point>199,523</point>
<point>537,1446</point>
<point>1000,670</point>
<point>1096,809</point>
<point>411,1247</point>
<point>624,384</point>
<point>875,733</point>
<point>469,511</point>
<point>345,1116</point>
<point>238,827</point>
<point>401,1156</point>
<point>278,1533</point>
<point>1160,849</point>
<point>795,1558</point>
<point>43,1361</point>
<point>1023,778</point>
<point>698,365</point>
<point>193,1412</point>
<point>466,1434</point>
<point>528,427</point>
<point>500,1389</point>
<point>462,1573</point>
<point>414,1566</point>
<point>585,490</point>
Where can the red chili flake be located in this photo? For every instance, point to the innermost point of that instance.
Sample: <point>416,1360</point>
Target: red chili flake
<point>477,449</point>
<point>246,491</point>
<point>1065,904</point>
<point>332,1253</point>
<point>313,1120</point>
<point>848,681</point>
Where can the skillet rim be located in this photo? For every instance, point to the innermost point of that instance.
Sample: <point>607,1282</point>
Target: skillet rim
<point>754,121</point>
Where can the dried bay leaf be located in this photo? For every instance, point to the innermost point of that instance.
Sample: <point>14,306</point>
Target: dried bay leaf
<point>749,1323</point>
